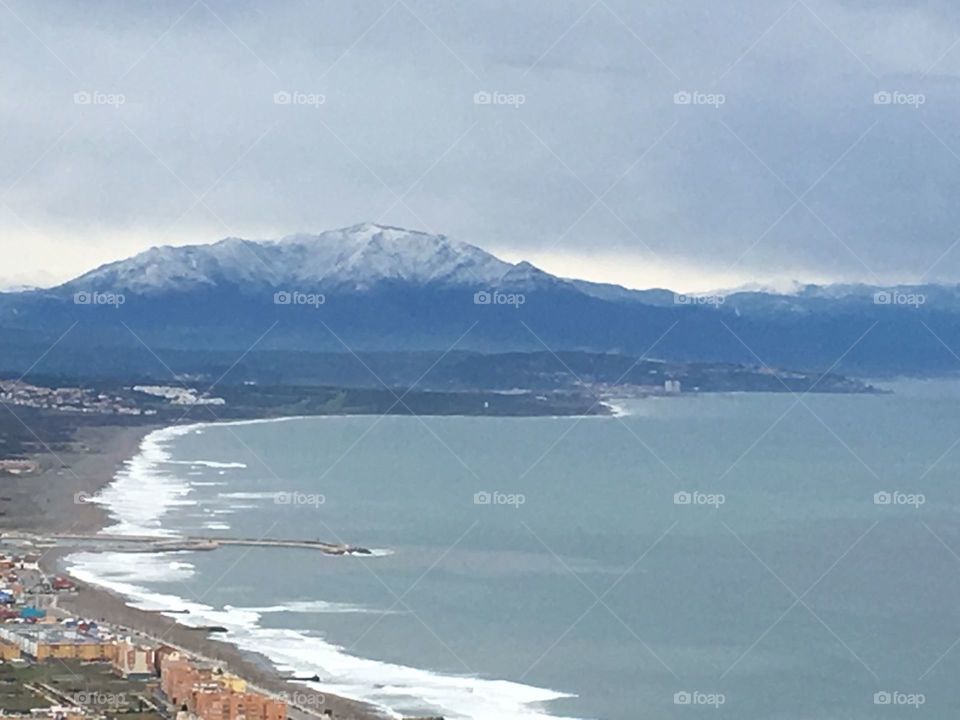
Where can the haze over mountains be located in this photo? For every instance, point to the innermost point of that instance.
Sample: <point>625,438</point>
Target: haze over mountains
<point>376,288</point>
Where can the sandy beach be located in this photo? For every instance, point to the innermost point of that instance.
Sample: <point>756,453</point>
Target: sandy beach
<point>90,602</point>
<point>53,500</point>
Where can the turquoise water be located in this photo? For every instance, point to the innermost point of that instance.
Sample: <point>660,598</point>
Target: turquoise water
<point>788,593</point>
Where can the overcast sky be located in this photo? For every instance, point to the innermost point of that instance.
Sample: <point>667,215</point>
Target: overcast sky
<point>127,124</point>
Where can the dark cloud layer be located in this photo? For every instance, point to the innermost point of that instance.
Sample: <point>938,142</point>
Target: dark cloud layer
<point>721,141</point>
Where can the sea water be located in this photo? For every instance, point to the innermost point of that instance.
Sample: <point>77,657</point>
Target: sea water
<point>741,556</point>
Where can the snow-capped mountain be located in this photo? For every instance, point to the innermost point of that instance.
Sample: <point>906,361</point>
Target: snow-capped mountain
<point>361,256</point>
<point>378,288</point>
<point>357,258</point>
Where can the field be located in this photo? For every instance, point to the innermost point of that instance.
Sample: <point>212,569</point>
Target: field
<point>26,686</point>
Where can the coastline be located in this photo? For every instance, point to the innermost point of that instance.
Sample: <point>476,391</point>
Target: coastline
<point>52,501</point>
<point>263,668</point>
<point>99,603</point>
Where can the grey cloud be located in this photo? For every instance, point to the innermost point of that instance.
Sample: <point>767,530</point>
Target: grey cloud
<point>398,119</point>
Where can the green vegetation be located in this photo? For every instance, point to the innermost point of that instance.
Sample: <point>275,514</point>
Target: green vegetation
<point>93,685</point>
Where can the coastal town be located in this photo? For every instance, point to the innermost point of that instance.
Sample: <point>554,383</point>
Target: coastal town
<point>66,399</point>
<point>54,666</point>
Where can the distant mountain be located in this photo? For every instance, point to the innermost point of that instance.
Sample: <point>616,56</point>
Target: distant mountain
<point>355,258</point>
<point>377,288</point>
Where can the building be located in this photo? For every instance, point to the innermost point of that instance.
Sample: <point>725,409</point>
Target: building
<point>59,641</point>
<point>28,562</point>
<point>164,653</point>
<point>209,694</point>
<point>9,651</point>
<point>178,677</point>
<point>62,583</point>
<point>133,660</point>
<point>671,386</point>
<point>218,703</point>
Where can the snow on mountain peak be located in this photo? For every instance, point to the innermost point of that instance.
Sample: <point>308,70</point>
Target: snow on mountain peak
<point>361,256</point>
<point>354,258</point>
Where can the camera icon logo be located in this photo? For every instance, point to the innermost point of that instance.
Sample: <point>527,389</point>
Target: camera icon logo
<point>882,698</point>
<point>82,298</point>
<point>482,97</point>
<point>282,298</point>
<point>282,97</point>
<point>682,98</point>
<point>682,498</point>
<point>882,498</point>
<point>682,698</point>
<point>482,297</point>
<point>882,98</point>
<point>482,498</point>
<point>82,98</point>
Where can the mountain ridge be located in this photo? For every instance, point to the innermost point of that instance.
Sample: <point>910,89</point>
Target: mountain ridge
<point>357,257</point>
<point>374,288</point>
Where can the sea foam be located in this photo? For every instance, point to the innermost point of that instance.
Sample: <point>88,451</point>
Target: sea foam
<point>143,493</point>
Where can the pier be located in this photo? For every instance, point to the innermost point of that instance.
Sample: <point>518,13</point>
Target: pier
<point>153,543</point>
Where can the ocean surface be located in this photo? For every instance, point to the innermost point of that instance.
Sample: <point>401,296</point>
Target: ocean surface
<point>733,556</point>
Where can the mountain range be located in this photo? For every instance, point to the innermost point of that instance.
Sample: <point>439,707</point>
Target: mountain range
<point>374,288</point>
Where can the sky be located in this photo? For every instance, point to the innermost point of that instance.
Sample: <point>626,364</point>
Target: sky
<point>674,143</point>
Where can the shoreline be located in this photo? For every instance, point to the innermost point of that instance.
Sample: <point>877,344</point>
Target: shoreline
<point>95,602</point>
<point>53,501</point>
<point>111,605</point>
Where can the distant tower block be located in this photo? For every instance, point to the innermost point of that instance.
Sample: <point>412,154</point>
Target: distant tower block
<point>671,386</point>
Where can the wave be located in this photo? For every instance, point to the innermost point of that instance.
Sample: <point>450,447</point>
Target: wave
<point>142,494</point>
<point>216,526</point>
<point>250,495</point>
<point>209,463</point>
<point>617,408</point>
<point>121,569</point>
<point>314,606</point>
<point>379,552</point>
<point>294,651</point>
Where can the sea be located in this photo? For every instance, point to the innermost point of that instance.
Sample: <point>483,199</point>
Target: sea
<point>748,556</point>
